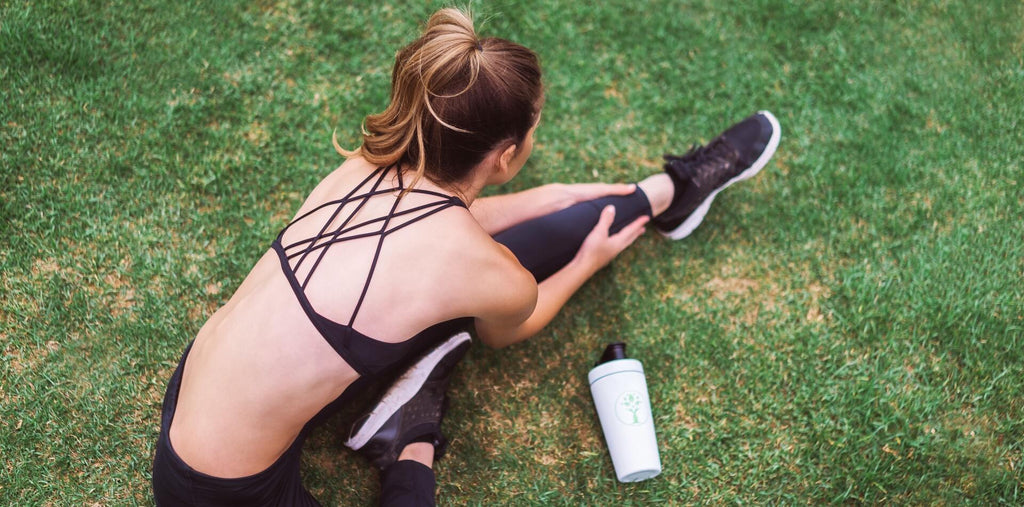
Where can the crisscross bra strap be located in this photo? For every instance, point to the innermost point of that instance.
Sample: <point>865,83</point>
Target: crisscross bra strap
<point>315,248</point>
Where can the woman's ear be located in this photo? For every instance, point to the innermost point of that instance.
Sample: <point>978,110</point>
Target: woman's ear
<point>506,158</point>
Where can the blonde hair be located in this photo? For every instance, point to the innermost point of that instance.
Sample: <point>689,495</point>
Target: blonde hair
<point>454,98</point>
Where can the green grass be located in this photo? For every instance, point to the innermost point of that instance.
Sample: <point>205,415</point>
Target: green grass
<point>847,327</point>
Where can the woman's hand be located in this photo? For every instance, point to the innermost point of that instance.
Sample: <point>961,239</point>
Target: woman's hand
<point>599,248</point>
<point>565,195</point>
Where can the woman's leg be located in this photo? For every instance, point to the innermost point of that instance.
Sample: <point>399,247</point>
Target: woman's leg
<point>546,244</point>
<point>677,199</point>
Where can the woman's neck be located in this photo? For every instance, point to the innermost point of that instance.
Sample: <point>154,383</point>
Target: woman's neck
<point>467,190</point>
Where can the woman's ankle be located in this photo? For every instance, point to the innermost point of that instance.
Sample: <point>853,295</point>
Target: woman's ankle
<point>659,190</point>
<point>420,452</point>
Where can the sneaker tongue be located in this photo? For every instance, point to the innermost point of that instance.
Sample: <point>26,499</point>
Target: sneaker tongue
<point>711,167</point>
<point>711,174</point>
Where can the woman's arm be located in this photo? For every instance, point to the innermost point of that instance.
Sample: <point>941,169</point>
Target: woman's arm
<point>596,252</point>
<point>497,213</point>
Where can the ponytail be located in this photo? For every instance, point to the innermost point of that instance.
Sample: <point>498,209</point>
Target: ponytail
<point>454,98</point>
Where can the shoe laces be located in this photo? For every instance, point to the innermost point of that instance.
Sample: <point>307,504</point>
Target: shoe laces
<point>704,165</point>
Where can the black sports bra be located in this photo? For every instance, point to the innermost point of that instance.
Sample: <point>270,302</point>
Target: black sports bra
<point>369,357</point>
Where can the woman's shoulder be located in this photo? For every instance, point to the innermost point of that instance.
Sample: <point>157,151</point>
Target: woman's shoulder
<point>488,270</point>
<point>474,245</point>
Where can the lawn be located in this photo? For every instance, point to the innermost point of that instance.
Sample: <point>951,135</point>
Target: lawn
<point>847,327</point>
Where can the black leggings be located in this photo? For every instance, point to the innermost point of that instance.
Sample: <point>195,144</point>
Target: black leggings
<point>543,245</point>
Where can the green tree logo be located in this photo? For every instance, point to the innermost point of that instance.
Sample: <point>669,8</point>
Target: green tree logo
<point>629,408</point>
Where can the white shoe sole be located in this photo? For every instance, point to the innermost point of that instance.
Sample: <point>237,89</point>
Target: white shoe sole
<point>403,390</point>
<point>695,218</point>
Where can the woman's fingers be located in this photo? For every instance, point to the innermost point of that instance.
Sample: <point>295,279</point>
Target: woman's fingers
<point>619,188</point>
<point>588,191</point>
<point>600,247</point>
<point>599,235</point>
<point>604,222</point>
<point>631,232</point>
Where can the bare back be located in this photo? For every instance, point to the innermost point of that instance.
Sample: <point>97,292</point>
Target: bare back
<point>259,369</point>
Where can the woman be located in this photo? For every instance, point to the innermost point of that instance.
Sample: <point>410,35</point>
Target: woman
<point>392,258</point>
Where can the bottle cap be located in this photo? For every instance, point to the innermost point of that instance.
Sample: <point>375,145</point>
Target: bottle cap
<point>612,352</point>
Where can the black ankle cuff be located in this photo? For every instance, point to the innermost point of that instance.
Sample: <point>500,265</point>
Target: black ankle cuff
<point>649,211</point>
<point>678,185</point>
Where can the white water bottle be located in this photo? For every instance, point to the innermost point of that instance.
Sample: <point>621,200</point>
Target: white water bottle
<point>620,396</point>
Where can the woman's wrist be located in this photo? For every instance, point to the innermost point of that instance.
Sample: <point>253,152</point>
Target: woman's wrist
<point>553,198</point>
<point>585,264</point>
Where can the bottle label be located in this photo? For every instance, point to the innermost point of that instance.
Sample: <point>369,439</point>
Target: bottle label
<point>629,408</point>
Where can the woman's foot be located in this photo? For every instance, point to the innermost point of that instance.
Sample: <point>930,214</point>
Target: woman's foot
<point>411,410</point>
<point>704,171</point>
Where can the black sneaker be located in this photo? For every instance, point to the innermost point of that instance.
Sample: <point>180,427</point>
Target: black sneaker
<point>412,408</point>
<point>704,171</point>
